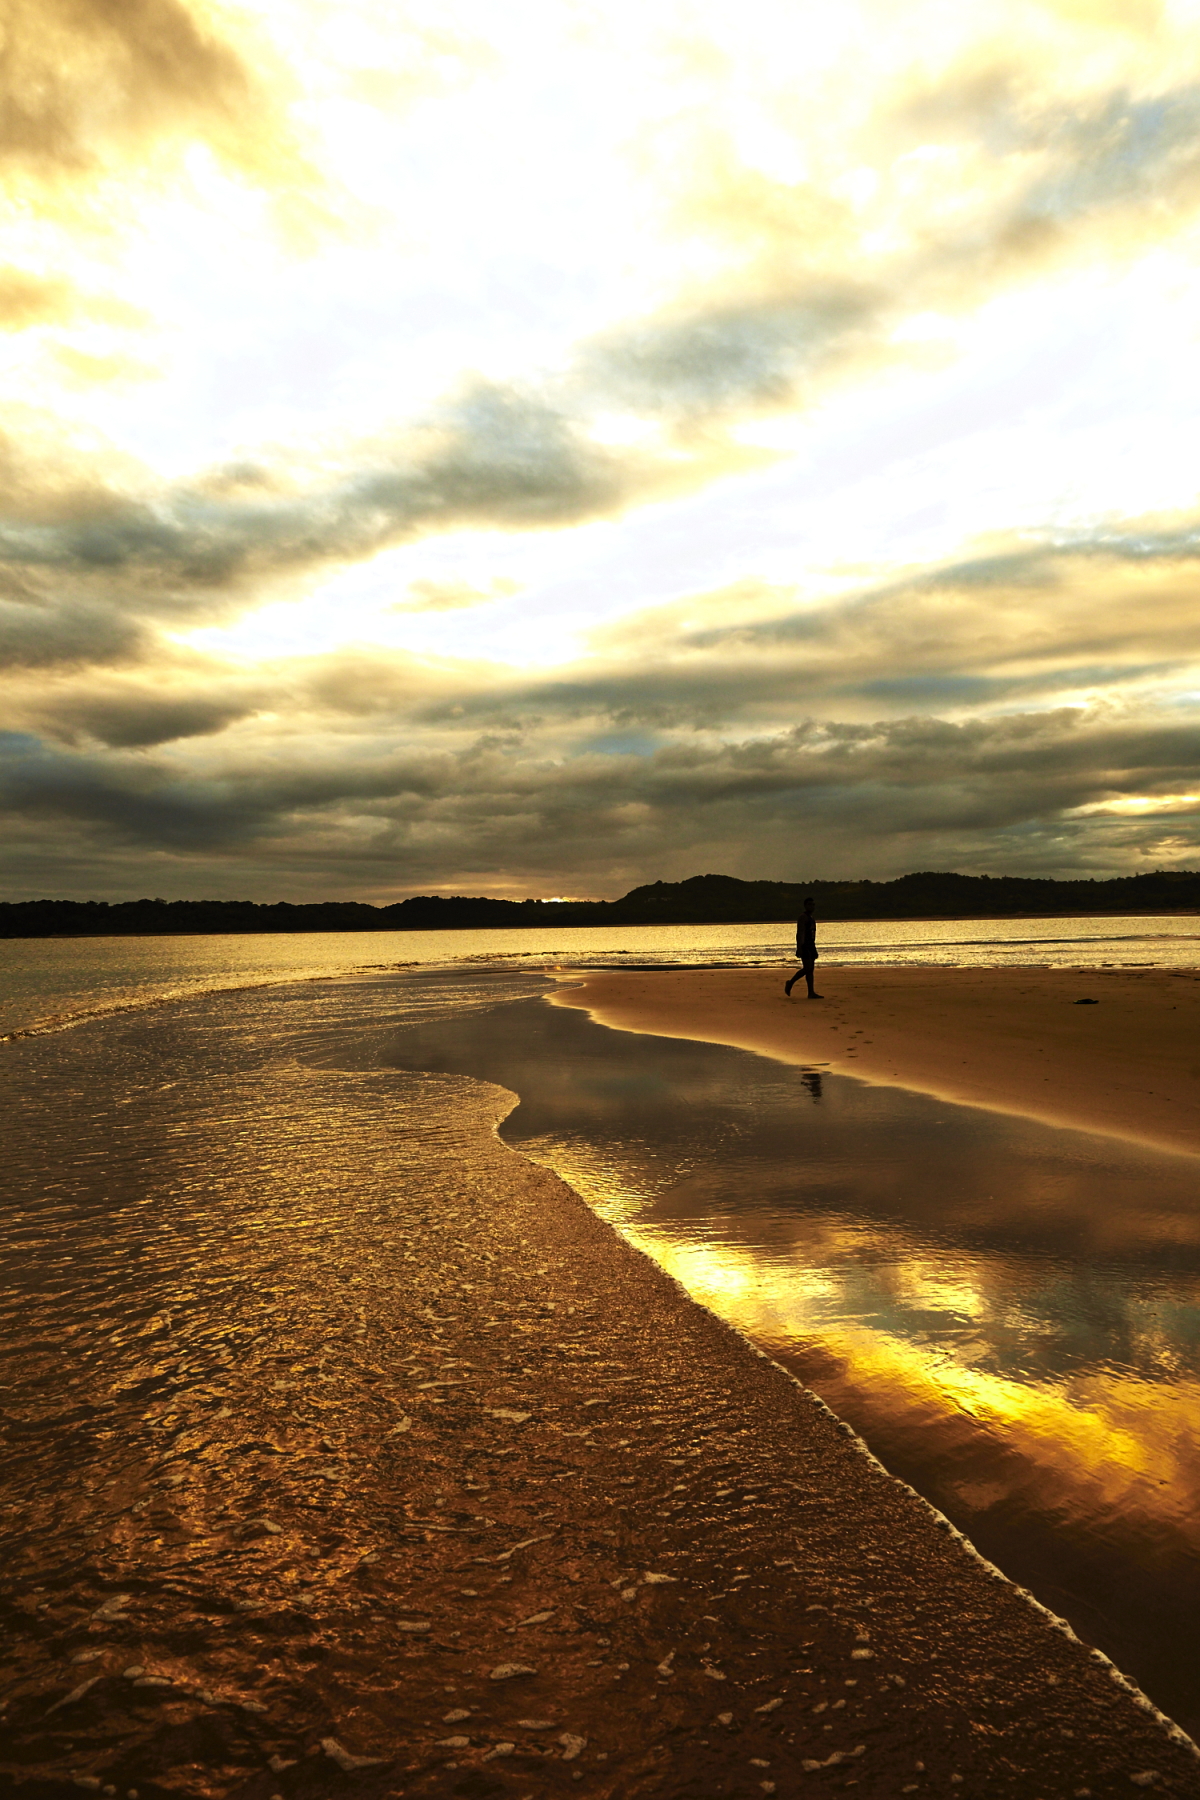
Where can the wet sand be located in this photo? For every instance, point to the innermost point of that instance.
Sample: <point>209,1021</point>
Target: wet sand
<point>481,1504</point>
<point>1014,1041</point>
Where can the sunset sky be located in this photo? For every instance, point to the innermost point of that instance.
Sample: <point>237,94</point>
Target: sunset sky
<point>541,447</point>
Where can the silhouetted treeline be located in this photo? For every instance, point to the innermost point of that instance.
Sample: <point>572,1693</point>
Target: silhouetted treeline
<point>704,900</point>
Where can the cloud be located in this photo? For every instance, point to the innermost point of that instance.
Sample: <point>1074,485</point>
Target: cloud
<point>101,102</point>
<point>28,298</point>
<point>919,722</point>
<point>1015,626</point>
<point>728,356</point>
<point>136,715</point>
<point>803,303</point>
<point>495,457</point>
<point>882,792</point>
<point>67,633</point>
<point>450,596</point>
<point>996,170</point>
<point>89,82</point>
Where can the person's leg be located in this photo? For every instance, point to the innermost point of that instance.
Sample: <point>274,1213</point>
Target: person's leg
<point>790,983</point>
<point>810,969</point>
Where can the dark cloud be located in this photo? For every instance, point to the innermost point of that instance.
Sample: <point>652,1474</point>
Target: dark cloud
<point>131,802</point>
<point>675,740</point>
<point>139,717</point>
<point>42,633</point>
<point>877,793</point>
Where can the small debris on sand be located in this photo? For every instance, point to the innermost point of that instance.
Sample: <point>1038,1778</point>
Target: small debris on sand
<point>75,1694</point>
<point>346,1759</point>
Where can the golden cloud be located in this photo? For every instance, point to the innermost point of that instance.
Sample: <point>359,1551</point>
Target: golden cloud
<point>28,298</point>
<point>98,88</point>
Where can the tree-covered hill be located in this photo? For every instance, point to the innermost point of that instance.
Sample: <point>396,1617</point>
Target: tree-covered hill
<point>702,900</point>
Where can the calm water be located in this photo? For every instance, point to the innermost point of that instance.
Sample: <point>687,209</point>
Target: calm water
<point>1008,1313</point>
<point>49,982</point>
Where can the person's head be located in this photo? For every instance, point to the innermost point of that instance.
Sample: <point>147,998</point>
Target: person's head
<point>809,903</point>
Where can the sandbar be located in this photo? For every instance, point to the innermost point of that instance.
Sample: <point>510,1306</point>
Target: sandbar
<point>1018,1040</point>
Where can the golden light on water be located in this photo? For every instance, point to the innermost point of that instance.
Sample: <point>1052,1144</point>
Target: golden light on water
<point>1122,1447</point>
<point>1102,1445</point>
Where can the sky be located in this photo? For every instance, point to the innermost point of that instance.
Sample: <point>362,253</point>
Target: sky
<point>537,449</point>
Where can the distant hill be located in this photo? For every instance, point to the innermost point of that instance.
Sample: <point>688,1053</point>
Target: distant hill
<point>704,900</point>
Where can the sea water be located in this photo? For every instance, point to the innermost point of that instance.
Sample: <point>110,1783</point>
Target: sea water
<point>50,982</point>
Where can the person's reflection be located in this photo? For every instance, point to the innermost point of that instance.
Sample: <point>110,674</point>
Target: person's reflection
<point>812,1081</point>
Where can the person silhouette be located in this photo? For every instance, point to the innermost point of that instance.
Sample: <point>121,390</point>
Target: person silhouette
<point>806,949</point>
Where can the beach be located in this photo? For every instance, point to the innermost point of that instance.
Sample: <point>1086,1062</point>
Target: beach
<point>412,1477</point>
<point>1023,1040</point>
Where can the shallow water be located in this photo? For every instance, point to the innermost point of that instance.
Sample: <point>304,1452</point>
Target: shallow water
<point>1008,1313</point>
<point>179,1187</point>
<point>46,983</point>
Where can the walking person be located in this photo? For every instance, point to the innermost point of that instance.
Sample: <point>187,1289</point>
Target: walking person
<point>806,949</point>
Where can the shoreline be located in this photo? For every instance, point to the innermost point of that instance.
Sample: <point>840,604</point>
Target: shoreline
<point>1013,1040</point>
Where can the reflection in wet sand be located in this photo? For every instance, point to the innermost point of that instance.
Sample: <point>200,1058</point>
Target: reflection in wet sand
<point>1010,1314</point>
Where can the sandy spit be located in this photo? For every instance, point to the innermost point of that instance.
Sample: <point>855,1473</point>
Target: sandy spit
<point>1018,1040</point>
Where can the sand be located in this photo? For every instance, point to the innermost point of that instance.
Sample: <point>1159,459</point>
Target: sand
<point>1013,1041</point>
<point>500,1512</point>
